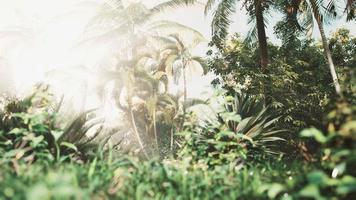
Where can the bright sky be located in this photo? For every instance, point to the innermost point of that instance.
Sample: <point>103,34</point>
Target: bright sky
<point>194,17</point>
<point>38,35</point>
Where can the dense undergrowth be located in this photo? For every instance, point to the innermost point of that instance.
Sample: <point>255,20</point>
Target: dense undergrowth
<point>213,162</point>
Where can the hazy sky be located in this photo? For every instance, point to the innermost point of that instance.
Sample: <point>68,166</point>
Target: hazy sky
<point>37,35</point>
<point>20,12</point>
<point>194,17</point>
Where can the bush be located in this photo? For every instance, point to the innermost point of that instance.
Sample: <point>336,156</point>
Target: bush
<point>335,176</point>
<point>29,131</point>
<point>244,128</point>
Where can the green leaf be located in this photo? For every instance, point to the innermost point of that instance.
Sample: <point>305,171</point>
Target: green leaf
<point>240,135</point>
<point>311,191</point>
<point>37,140</point>
<point>346,185</point>
<point>92,168</point>
<point>229,98</point>
<point>226,133</point>
<point>315,133</point>
<point>69,145</point>
<point>17,131</point>
<point>318,178</point>
<point>56,134</point>
<point>274,190</point>
<point>231,116</point>
<point>39,128</point>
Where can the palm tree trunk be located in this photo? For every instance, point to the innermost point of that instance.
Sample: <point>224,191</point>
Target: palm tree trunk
<point>185,86</point>
<point>155,127</point>
<point>261,34</point>
<point>184,94</point>
<point>327,52</point>
<point>137,134</point>
<point>172,139</point>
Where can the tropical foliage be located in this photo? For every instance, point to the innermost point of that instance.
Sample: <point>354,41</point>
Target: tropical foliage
<point>281,123</point>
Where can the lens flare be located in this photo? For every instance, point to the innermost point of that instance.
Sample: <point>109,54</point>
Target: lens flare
<point>46,41</point>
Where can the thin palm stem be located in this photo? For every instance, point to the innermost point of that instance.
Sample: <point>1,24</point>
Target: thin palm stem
<point>327,51</point>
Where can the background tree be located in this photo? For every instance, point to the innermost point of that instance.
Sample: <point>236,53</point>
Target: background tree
<point>315,9</point>
<point>221,22</point>
<point>223,10</point>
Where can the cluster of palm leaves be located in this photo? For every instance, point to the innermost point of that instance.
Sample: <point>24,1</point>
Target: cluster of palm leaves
<point>151,56</point>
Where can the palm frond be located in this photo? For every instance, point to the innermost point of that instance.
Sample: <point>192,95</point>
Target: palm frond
<point>190,102</point>
<point>171,4</point>
<point>251,36</point>
<point>221,19</point>
<point>202,63</point>
<point>188,35</point>
<point>208,6</point>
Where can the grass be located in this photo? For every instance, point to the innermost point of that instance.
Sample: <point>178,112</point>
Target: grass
<point>127,178</point>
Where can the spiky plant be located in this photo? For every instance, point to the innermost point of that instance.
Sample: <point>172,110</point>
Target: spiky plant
<point>244,127</point>
<point>256,122</point>
<point>31,129</point>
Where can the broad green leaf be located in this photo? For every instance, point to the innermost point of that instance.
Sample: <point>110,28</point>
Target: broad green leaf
<point>231,116</point>
<point>37,140</point>
<point>56,134</point>
<point>69,145</point>
<point>318,178</point>
<point>315,133</point>
<point>346,185</point>
<point>311,191</point>
<point>274,190</point>
<point>17,131</point>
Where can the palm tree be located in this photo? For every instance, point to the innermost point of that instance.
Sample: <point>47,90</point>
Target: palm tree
<point>221,19</point>
<point>314,9</point>
<point>136,80</point>
<point>350,10</point>
<point>177,59</point>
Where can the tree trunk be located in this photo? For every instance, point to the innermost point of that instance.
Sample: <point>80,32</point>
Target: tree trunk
<point>326,47</point>
<point>137,134</point>
<point>155,127</point>
<point>172,139</point>
<point>261,33</point>
<point>185,86</point>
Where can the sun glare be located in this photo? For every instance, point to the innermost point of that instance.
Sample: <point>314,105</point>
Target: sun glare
<point>44,41</point>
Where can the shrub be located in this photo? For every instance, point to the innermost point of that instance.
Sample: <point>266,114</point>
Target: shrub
<point>244,128</point>
<point>336,157</point>
<point>29,131</point>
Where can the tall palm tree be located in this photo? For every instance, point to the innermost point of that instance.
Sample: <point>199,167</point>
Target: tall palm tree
<point>178,59</point>
<point>181,60</point>
<point>256,9</point>
<point>350,10</point>
<point>315,9</point>
<point>221,19</point>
